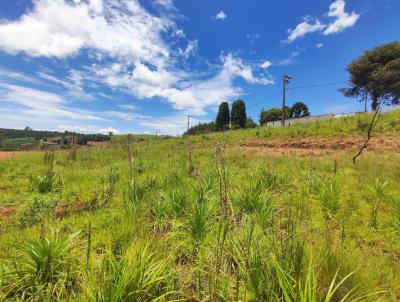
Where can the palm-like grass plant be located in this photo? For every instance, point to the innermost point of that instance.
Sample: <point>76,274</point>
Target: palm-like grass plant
<point>43,269</point>
<point>139,276</point>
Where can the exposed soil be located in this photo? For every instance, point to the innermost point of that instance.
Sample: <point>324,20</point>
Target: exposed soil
<point>6,211</point>
<point>7,154</point>
<point>383,143</point>
<point>317,146</point>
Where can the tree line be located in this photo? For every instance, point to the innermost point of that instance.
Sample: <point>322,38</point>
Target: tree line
<point>299,109</point>
<point>81,139</point>
<point>237,118</point>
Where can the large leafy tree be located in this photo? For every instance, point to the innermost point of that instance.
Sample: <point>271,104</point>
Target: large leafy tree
<point>222,120</point>
<point>273,114</point>
<point>299,109</point>
<point>376,76</point>
<point>238,114</point>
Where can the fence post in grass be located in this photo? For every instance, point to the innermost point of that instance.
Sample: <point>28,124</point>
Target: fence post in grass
<point>89,244</point>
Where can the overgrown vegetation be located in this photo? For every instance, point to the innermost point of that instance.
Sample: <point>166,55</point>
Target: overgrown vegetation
<point>127,222</point>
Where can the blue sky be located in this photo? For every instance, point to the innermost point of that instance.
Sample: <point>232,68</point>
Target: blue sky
<point>142,66</point>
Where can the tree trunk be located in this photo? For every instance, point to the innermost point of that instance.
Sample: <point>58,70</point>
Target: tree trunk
<point>374,103</point>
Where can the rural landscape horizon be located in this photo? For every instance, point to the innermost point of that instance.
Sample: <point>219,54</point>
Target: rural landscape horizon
<point>172,150</point>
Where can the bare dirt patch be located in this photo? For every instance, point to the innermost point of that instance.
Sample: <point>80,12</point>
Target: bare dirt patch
<point>377,143</point>
<point>316,146</point>
<point>6,211</point>
<point>8,154</point>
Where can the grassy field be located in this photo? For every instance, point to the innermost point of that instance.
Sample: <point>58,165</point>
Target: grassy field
<point>196,219</point>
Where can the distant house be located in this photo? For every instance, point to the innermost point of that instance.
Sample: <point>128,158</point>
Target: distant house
<point>27,146</point>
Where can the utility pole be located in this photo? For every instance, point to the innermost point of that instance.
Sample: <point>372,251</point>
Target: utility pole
<point>285,81</point>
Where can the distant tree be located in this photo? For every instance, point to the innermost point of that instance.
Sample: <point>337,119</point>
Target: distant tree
<point>201,128</point>
<point>238,114</point>
<point>273,114</point>
<point>28,129</point>
<point>250,123</point>
<point>222,120</point>
<point>299,109</point>
<point>65,140</point>
<point>376,76</point>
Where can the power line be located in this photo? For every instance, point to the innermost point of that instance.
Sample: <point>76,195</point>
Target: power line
<point>316,85</point>
<point>268,98</point>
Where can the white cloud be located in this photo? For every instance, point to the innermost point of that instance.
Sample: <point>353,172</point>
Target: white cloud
<point>108,130</point>
<point>87,129</point>
<point>180,33</point>
<point>221,15</point>
<point>56,28</point>
<point>9,75</point>
<point>319,45</point>
<point>265,64</point>
<point>190,49</point>
<point>127,50</point>
<point>185,91</point>
<point>127,106</point>
<point>343,19</point>
<point>41,104</point>
<point>289,60</point>
<point>304,28</point>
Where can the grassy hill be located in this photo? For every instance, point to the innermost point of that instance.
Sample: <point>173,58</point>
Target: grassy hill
<point>389,123</point>
<point>14,139</point>
<point>197,219</point>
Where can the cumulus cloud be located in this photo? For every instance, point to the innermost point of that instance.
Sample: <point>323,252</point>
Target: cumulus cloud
<point>127,49</point>
<point>343,19</point>
<point>56,28</point>
<point>221,15</point>
<point>319,45</point>
<point>185,91</point>
<point>305,27</point>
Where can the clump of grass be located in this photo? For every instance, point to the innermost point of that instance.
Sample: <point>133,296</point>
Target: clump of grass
<point>198,222</point>
<point>43,269</point>
<point>379,191</point>
<point>134,192</point>
<point>272,180</point>
<point>329,197</point>
<point>47,183</point>
<point>139,276</point>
